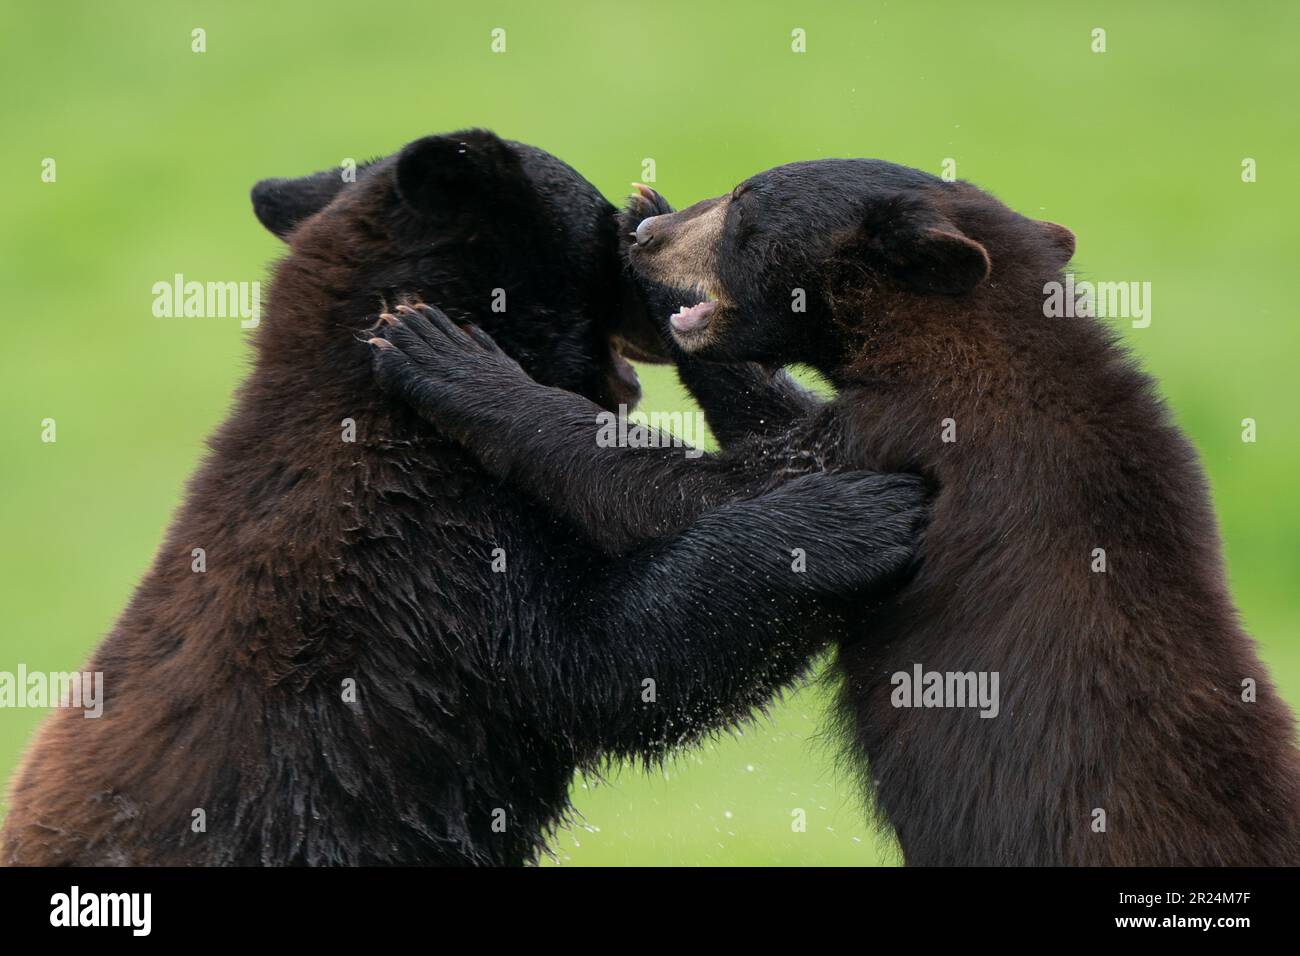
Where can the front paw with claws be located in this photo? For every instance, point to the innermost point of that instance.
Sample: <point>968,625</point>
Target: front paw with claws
<point>642,204</point>
<point>450,375</point>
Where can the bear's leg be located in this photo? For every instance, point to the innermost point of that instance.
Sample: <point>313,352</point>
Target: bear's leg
<point>693,633</point>
<point>744,400</point>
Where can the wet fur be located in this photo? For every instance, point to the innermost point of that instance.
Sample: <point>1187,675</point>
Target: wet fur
<point>371,561</point>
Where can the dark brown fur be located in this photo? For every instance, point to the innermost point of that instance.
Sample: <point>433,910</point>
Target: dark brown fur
<point>478,690</point>
<point>1121,691</point>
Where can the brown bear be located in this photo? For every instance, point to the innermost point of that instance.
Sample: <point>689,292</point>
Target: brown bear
<point>387,656</point>
<point>1072,566</point>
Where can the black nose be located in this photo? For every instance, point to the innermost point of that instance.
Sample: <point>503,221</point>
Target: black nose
<point>645,232</point>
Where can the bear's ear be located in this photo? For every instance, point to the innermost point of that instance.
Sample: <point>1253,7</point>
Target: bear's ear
<point>910,241</point>
<point>280,204</point>
<point>942,260</point>
<point>1059,239</point>
<point>474,166</point>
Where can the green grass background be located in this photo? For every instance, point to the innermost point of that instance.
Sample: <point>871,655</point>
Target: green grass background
<point>1138,150</point>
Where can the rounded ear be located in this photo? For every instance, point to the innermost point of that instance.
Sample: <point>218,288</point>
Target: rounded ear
<point>439,172</point>
<point>1059,239</point>
<point>904,237</point>
<point>280,204</point>
<point>943,261</point>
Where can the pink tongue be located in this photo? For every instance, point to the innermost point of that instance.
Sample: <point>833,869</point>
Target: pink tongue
<point>692,318</point>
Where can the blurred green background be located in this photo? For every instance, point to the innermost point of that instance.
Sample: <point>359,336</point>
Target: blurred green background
<point>1138,150</point>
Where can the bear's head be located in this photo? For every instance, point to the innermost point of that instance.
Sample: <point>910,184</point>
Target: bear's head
<point>765,265</point>
<point>493,232</point>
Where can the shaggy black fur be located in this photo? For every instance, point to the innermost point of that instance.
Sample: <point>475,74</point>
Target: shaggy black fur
<point>477,691</point>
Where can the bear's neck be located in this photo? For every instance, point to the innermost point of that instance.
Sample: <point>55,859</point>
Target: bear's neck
<point>1027,422</point>
<point>965,379</point>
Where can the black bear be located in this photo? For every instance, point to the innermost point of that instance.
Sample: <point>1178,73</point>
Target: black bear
<point>1073,556</point>
<point>380,655</point>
